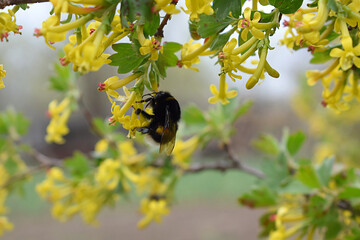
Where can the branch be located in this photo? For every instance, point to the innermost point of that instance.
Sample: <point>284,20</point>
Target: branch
<point>4,3</point>
<point>160,31</point>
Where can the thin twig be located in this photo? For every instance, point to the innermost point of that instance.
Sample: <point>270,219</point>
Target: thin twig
<point>160,30</point>
<point>4,3</point>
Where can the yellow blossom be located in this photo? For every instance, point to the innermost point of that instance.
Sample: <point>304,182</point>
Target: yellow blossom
<point>222,94</point>
<point>8,24</point>
<point>197,7</point>
<point>57,128</point>
<point>2,74</point>
<point>348,56</point>
<point>183,151</point>
<point>101,146</point>
<point>108,174</point>
<point>166,6</point>
<point>5,225</point>
<point>151,46</point>
<point>153,210</point>
<point>190,53</point>
<point>246,24</point>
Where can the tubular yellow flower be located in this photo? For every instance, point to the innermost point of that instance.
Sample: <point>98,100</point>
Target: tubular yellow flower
<point>197,7</point>
<point>151,46</point>
<point>108,174</point>
<point>246,24</point>
<point>183,151</point>
<point>260,68</point>
<point>154,210</point>
<point>57,128</point>
<point>348,56</point>
<point>8,24</point>
<point>166,6</point>
<point>314,76</point>
<point>190,53</point>
<point>2,74</point>
<point>221,95</point>
<point>317,22</point>
<point>5,225</point>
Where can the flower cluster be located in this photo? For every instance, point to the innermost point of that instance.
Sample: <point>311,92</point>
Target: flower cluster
<point>8,24</point>
<point>59,113</point>
<point>320,29</point>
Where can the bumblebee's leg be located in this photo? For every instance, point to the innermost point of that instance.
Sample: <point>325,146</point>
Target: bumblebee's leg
<point>145,114</point>
<point>143,130</point>
<point>145,100</point>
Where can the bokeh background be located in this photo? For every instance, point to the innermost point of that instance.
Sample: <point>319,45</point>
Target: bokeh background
<point>206,203</point>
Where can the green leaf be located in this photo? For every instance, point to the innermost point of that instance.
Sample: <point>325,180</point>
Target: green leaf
<point>286,6</point>
<point>333,229</point>
<point>321,57</point>
<point>150,27</point>
<point>222,8</point>
<point>295,142</point>
<point>332,5</point>
<point>259,197</point>
<point>350,192</point>
<point>307,175</point>
<point>64,76</point>
<point>127,57</point>
<point>296,187</point>
<point>267,144</point>
<point>324,171</point>
<point>103,126</point>
<point>220,41</point>
<point>127,12</point>
<point>167,58</point>
<point>276,172</point>
<point>78,165</point>
<point>194,119</point>
<point>208,25</point>
<point>11,121</point>
<point>11,166</point>
<point>23,6</point>
<point>241,111</point>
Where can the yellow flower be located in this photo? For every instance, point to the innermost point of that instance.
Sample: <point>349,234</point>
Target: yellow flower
<point>108,174</point>
<point>190,53</point>
<point>8,24</point>
<point>183,151</point>
<point>59,114</point>
<point>101,146</point>
<point>151,46</point>
<point>221,95</point>
<point>246,24</point>
<point>5,225</point>
<point>197,7</point>
<point>2,74</point>
<point>348,56</point>
<point>166,6</point>
<point>154,210</point>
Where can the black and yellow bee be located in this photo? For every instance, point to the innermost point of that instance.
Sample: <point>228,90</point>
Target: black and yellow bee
<point>164,120</point>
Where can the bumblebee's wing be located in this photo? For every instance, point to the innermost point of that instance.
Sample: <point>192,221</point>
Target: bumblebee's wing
<point>168,136</point>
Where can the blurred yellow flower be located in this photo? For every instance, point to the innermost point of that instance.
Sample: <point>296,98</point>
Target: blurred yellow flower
<point>2,74</point>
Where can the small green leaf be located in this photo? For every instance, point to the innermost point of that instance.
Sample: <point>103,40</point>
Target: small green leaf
<point>321,57</point>
<point>150,27</point>
<point>127,57</point>
<point>296,187</point>
<point>220,41</point>
<point>11,166</point>
<point>295,142</point>
<point>222,8</point>
<point>332,5</point>
<point>241,111</point>
<point>307,175</point>
<point>11,120</point>
<point>193,115</point>
<point>350,192</point>
<point>78,165</point>
<point>208,25</point>
<point>324,171</point>
<point>259,197</point>
<point>267,144</point>
<point>286,6</point>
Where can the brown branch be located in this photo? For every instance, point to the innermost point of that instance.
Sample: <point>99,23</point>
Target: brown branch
<point>4,3</point>
<point>160,30</point>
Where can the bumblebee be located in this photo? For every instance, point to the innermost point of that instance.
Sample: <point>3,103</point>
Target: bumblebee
<point>164,120</point>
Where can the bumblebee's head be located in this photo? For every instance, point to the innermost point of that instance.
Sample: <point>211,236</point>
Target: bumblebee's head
<point>159,96</point>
